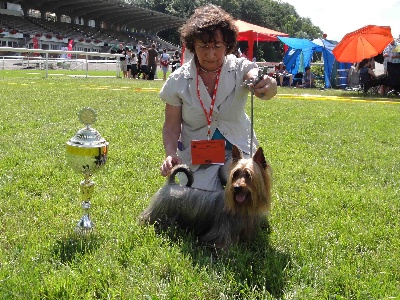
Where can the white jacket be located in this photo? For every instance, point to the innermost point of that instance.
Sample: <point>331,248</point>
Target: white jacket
<point>229,112</point>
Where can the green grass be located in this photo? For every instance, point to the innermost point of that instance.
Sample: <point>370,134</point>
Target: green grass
<point>334,226</point>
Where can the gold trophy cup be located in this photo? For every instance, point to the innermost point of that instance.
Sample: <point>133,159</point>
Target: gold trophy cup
<point>86,154</point>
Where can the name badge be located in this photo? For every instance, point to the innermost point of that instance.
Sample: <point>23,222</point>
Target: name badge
<point>208,152</point>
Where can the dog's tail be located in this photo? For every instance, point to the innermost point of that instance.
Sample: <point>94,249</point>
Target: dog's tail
<point>184,169</point>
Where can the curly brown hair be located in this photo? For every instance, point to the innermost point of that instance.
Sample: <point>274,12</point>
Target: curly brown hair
<point>203,24</point>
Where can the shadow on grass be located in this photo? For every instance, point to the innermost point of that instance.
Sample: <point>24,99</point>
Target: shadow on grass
<point>252,269</point>
<point>73,247</point>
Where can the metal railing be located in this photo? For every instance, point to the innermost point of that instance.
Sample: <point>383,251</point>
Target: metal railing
<point>45,62</point>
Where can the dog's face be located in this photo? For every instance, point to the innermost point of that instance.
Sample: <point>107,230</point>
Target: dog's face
<point>241,182</point>
<point>249,183</point>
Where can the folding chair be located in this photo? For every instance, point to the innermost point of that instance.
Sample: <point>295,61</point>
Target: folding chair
<point>365,86</point>
<point>297,79</point>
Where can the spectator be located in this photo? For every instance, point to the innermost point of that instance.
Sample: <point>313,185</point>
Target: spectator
<point>139,47</point>
<point>122,60</point>
<point>244,53</point>
<point>134,66</point>
<point>152,60</point>
<point>308,78</point>
<point>143,66</point>
<point>353,77</point>
<point>392,68</point>
<point>368,78</point>
<point>176,60</point>
<point>283,77</point>
<point>139,59</point>
<point>390,54</point>
<point>128,62</point>
<point>164,63</point>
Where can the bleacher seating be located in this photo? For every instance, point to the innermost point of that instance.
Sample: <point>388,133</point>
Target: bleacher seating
<point>81,34</point>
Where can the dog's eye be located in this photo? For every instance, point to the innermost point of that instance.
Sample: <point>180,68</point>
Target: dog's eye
<point>236,173</point>
<point>247,175</point>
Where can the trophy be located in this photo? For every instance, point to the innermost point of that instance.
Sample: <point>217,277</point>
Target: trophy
<point>86,154</point>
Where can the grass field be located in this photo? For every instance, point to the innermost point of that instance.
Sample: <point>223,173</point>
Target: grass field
<point>334,225</point>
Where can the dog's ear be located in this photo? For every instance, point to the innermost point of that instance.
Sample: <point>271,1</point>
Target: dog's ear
<point>236,153</point>
<point>259,157</point>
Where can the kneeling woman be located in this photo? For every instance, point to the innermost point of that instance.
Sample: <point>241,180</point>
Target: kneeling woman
<point>206,98</point>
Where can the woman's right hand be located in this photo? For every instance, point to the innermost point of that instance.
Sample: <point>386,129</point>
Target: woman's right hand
<point>168,163</point>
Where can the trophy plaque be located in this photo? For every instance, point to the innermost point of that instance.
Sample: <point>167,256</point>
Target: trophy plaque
<point>86,154</point>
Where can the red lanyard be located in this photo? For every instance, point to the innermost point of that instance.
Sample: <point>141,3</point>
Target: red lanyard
<point>208,115</point>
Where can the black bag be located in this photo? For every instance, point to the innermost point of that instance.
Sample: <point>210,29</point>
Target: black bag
<point>150,75</point>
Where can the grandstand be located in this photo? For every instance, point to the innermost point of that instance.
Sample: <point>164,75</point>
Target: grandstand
<point>93,25</point>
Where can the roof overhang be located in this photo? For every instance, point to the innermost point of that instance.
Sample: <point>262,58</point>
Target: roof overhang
<point>113,12</point>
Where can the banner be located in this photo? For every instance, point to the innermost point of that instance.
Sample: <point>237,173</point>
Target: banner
<point>35,45</point>
<point>70,44</point>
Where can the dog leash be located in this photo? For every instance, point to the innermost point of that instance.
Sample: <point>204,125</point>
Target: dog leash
<point>261,72</point>
<point>251,122</point>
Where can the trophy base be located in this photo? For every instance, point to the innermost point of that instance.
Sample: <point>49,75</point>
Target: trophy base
<point>85,225</point>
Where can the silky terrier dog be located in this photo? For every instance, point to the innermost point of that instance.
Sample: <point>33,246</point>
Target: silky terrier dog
<point>219,218</point>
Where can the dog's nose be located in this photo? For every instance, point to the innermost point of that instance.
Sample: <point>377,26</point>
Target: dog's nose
<point>237,189</point>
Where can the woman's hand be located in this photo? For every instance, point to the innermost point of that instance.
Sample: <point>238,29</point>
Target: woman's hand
<point>168,164</point>
<point>266,88</point>
<point>171,133</point>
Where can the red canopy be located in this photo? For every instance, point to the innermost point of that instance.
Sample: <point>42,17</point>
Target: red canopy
<point>252,33</point>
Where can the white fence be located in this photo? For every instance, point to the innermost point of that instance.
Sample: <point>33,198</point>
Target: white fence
<point>79,60</point>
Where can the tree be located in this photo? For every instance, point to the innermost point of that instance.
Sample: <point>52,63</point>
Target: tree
<point>277,15</point>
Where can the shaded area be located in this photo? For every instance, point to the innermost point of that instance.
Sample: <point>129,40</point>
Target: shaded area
<point>72,248</point>
<point>253,268</point>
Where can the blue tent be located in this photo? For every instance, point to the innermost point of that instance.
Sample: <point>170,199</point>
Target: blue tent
<point>300,55</point>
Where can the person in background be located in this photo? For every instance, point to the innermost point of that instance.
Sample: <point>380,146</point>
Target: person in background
<point>139,59</point>
<point>164,63</point>
<point>308,78</point>
<point>368,77</point>
<point>176,60</point>
<point>371,63</point>
<point>152,61</point>
<point>122,59</point>
<point>283,76</point>
<point>143,66</point>
<point>392,68</point>
<point>237,53</point>
<point>139,46</point>
<point>391,54</point>
<point>244,53</point>
<point>128,62</point>
<point>134,66</point>
<point>205,99</point>
<point>353,77</point>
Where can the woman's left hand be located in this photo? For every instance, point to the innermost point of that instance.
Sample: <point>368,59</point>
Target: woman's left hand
<point>266,88</point>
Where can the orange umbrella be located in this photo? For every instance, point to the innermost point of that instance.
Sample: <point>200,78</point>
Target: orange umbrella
<point>363,43</point>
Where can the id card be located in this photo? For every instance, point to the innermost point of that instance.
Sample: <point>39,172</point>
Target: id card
<point>208,152</point>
